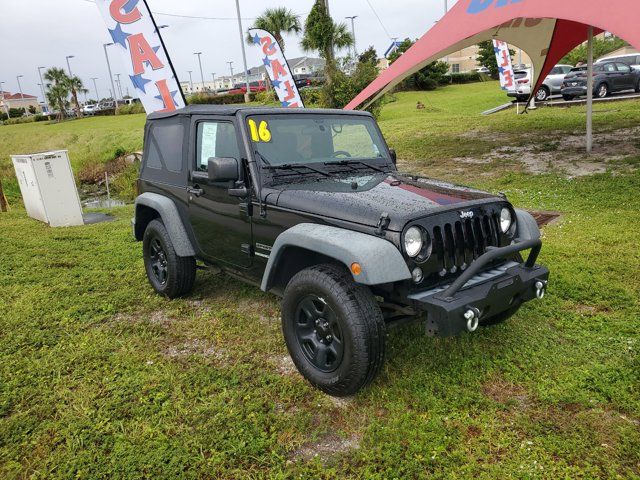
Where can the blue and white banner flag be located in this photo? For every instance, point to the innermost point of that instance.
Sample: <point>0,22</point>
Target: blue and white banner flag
<point>136,36</point>
<point>277,68</point>
<point>505,67</point>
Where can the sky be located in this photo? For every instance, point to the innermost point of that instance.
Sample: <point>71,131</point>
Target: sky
<point>41,33</point>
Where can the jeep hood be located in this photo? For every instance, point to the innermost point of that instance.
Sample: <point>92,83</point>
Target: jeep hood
<point>403,198</point>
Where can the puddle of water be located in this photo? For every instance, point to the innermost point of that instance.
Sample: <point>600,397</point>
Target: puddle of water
<point>102,203</point>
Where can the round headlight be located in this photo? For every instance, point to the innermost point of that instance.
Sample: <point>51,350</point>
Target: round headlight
<point>506,220</point>
<point>413,241</point>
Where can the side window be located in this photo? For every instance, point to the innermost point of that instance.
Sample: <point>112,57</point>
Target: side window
<point>165,147</point>
<point>556,71</point>
<point>624,68</point>
<point>566,70</point>
<point>609,67</point>
<point>216,140</point>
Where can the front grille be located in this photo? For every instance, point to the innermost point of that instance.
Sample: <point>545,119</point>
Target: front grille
<point>456,245</point>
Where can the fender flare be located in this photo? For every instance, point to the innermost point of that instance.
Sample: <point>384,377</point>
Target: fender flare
<point>170,216</point>
<point>527,226</point>
<point>381,261</point>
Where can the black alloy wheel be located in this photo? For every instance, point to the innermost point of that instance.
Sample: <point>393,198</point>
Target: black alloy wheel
<point>319,334</point>
<point>158,261</point>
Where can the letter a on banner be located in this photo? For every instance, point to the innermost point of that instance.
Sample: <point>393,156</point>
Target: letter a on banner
<point>136,36</point>
<point>278,69</point>
<point>503,57</point>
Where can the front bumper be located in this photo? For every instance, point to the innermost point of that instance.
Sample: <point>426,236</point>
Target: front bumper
<point>575,91</point>
<point>487,293</point>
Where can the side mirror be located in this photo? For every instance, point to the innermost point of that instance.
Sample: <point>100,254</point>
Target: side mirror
<point>394,156</point>
<point>223,170</point>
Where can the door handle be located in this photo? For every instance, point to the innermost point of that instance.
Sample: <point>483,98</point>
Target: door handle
<point>196,191</point>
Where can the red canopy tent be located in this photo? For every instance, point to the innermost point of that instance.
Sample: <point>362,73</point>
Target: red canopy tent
<point>546,29</point>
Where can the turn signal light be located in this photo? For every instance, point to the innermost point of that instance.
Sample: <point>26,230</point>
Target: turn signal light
<point>356,269</point>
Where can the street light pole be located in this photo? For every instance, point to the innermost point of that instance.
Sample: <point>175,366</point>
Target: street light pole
<point>95,86</point>
<point>69,65</point>
<point>119,85</point>
<point>199,55</point>
<point>191,81</point>
<point>353,31</point>
<point>113,87</point>
<point>213,77</point>
<point>20,86</point>
<point>247,96</point>
<point>44,90</point>
<point>231,68</point>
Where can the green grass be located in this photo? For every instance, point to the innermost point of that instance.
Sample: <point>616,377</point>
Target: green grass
<point>100,378</point>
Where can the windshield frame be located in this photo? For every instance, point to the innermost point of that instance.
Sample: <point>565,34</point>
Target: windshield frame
<point>246,114</point>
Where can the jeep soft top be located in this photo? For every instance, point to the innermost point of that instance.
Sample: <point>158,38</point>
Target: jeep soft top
<point>309,205</point>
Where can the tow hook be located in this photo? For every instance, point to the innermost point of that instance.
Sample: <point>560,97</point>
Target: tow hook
<point>472,316</point>
<point>541,289</point>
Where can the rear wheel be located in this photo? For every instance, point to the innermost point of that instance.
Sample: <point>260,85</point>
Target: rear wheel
<point>602,91</point>
<point>542,94</point>
<point>169,274</point>
<point>334,330</point>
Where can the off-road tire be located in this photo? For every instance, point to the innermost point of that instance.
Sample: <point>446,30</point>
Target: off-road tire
<point>359,318</point>
<point>500,318</point>
<point>180,271</point>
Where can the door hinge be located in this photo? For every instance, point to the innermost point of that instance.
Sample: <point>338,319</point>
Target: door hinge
<point>383,223</point>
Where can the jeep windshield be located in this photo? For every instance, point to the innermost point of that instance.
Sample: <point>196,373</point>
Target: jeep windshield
<point>290,142</point>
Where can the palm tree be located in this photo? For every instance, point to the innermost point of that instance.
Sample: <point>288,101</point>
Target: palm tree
<point>323,35</point>
<point>76,86</point>
<point>277,21</point>
<point>57,89</point>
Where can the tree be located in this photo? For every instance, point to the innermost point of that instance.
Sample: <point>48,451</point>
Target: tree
<point>428,78</point>
<point>369,56</point>
<point>76,86</point>
<point>58,90</point>
<point>277,21</point>
<point>323,35</point>
<point>487,57</point>
<point>601,47</point>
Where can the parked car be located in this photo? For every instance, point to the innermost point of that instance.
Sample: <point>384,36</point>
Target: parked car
<point>522,90</point>
<point>632,59</point>
<point>552,85</point>
<point>309,205</point>
<point>483,70</point>
<point>608,77</point>
<point>241,88</point>
<point>108,105</point>
<point>90,109</point>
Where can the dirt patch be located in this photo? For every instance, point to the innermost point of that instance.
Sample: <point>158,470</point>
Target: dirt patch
<point>265,309</point>
<point>563,154</point>
<point>285,365</point>
<point>502,391</point>
<point>194,347</point>
<point>326,448</point>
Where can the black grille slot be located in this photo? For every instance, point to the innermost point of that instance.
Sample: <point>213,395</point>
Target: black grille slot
<point>457,245</point>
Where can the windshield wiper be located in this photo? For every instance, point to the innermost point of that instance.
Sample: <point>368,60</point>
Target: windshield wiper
<point>350,163</point>
<point>289,166</point>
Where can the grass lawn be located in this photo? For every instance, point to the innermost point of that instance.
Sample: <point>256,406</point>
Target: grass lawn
<point>100,378</point>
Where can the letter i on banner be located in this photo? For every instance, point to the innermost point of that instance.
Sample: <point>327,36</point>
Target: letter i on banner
<point>505,67</point>
<point>277,68</point>
<point>136,36</point>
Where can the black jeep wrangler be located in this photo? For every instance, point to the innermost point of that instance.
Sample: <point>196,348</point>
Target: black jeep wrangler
<point>309,205</point>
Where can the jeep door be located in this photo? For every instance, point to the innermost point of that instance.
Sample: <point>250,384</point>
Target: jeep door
<point>220,222</point>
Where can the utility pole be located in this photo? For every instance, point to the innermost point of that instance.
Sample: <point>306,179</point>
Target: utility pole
<point>113,87</point>
<point>199,54</point>
<point>95,86</point>
<point>353,31</point>
<point>44,89</point>
<point>247,96</point>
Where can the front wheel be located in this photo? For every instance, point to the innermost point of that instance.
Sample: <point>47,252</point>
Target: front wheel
<point>602,91</point>
<point>168,274</point>
<point>542,94</point>
<point>334,330</point>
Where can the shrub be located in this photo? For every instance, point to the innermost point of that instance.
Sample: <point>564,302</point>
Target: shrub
<point>132,109</point>
<point>468,77</point>
<point>19,120</point>
<point>343,88</point>
<point>267,97</point>
<point>311,97</point>
<point>211,99</point>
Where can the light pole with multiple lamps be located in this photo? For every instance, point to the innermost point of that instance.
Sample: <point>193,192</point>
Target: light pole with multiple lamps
<point>247,96</point>
<point>69,65</point>
<point>113,87</point>
<point>44,89</point>
<point>199,55</point>
<point>353,31</point>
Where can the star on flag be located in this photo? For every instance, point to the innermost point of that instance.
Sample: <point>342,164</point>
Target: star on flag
<point>139,82</point>
<point>119,36</point>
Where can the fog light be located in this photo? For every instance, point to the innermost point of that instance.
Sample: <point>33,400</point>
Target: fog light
<point>417,275</point>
